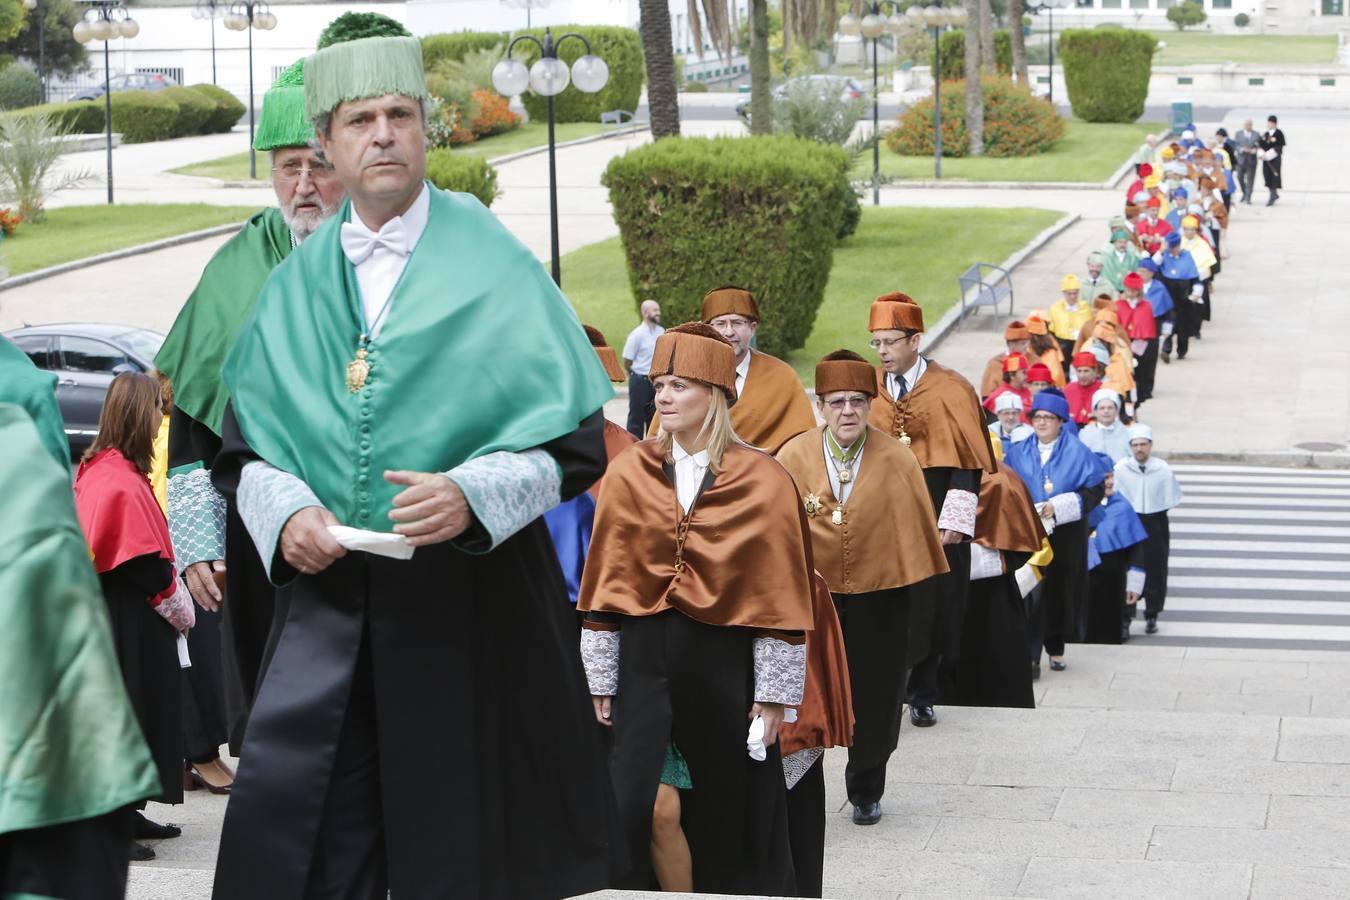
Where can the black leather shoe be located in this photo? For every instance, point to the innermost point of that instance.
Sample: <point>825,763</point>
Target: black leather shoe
<point>141,853</point>
<point>1151,625</point>
<point>145,830</point>
<point>1036,671</point>
<point>1125,633</point>
<point>922,716</point>
<point>866,813</point>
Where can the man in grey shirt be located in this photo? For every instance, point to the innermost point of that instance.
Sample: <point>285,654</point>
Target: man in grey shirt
<point>1246,140</point>
<point>637,359</point>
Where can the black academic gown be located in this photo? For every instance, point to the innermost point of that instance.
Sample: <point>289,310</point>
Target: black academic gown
<point>1107,608</point>
<point>1272,170</point>
<point>937,604</point>
<point>1064,589</point>
<point>1156,551</point>
<point>228,646</point>
<point>993,668</point>
<point>423,727</point>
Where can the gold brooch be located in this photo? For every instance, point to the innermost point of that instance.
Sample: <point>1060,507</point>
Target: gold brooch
<point>812,504</point>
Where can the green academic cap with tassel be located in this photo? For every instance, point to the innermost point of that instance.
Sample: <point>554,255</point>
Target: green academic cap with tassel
<point>283,122</point>
<point>360,69</point>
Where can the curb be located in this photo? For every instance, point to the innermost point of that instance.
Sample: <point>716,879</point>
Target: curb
<point>77,264</point>
<point>1287,459</point>
<point>951,319</point>
<point>1000,185</point>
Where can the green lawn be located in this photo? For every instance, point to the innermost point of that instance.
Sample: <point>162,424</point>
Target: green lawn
<point>1197,48</point>
<point>1087,152</point>
<point>919,251</point>
<point>527,136</point>
<point>74,232</point>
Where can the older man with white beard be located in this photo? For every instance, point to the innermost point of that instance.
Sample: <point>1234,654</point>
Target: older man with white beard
<point>208,537</point>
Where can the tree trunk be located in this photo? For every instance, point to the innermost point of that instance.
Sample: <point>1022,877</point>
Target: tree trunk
<point>987,56</point>
<point>1016,10</point>
<point>761,101</point>
<point>974,95</point>
<point>663,99</point>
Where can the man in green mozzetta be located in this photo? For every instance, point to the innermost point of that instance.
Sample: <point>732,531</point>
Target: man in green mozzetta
<point>73,763</point>
<point>424,690</point>
<point>209,539</point>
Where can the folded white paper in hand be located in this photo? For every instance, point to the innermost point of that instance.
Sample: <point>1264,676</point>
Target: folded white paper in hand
<point>184,660</point>
<point>754,741</point>
<point>1048,522</point>
<point>1026,580</point>
<point>394,546</point>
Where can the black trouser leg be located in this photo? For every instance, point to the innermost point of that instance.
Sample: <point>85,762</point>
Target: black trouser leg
<point>806,830</point>
<point>1145,371</point>
<point>641,404</point>
<point>1054,644</point>
<point>1035,623</point>
<point>876,633</point>
<point>85,859</point>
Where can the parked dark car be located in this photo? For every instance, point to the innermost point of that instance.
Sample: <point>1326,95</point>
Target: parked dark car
<point>135,81</point>
<point>86,358</point>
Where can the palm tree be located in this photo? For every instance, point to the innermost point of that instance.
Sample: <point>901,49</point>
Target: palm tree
<point>974,94</point>
<point>986,20</point>
<point>1017,9</point>
<point>663,101</point>
<point>761,102</point>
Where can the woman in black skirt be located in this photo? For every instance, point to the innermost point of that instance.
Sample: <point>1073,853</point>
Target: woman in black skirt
<point>147,605</point>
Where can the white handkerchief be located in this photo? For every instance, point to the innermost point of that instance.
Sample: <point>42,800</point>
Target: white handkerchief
<point>1049,524</point>
<point>394,546</point>
<point>754,741</point>
<point>184,660</point>
<point>1026,580</point>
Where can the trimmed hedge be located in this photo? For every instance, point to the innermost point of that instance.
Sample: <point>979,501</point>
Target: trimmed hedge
<point>620,48</point>
<point>1016,123</point>
<point>142,116</point>
<point>19,87</point>
<point>452,171</point>
<point>76,117</point>
<point>952,53</point>
<point>229,108</point>
<point>1107,72</point>
<point>194,110</point>
<point>760,212</point>
<point>439,47</point>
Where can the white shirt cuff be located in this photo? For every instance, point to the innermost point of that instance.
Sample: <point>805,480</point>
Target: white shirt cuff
<point>1068,508</point>
<point>958,512</point>
<point>984,563</point>
<point>1134,580</point>
<point>507,490</point>
<point>780,671</point>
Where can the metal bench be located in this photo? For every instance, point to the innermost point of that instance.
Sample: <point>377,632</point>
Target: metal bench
<point>617,118</point>
<point>984,284</point>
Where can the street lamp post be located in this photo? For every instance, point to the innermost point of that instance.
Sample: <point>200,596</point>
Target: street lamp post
<point>549,77</point>
<point>208,9</point>
<point>871,26</point>
<point>39,7</point>
<point>246,15</point>
<point>104,20</point>
<point>936,18</point>
<point>1049,7</point>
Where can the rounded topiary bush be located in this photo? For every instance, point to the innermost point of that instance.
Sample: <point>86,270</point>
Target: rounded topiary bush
<point>761,212</point>
<point>1016,122</point>
<point>75,117</point>
<point>19,87</point>
<point>1107,72</point>
<point>142,117</point>
<point>229,109</point>
<point>452,171</point>
<point>194,110</point>
<point>952,53</point>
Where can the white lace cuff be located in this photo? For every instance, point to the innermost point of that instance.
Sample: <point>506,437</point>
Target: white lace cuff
<point>178,610</point>
<point>196,518</point>
<point>984,563</point>
<point>958,512</point>
<point>1134,580</point>
<point>600,657</point>
<point>508,491</point>
<point>798,764</point>
<point>267,498</point>
<point>780,671</point>
<point>1027,579</point>
<point>1068,508</point>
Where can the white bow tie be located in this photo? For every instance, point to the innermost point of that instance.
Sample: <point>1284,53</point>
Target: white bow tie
<point>358,241</point>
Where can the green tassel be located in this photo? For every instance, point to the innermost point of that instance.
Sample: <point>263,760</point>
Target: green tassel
<point>357,70</point>
<point>283,122</point>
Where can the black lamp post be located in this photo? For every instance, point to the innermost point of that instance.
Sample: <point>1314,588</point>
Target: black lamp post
<point>936,18</point>
<point>1049,8</point>
<point>210,10</point>
<point>104,20</point>
<point>39,7</point>
<point>246,15</point>
<point>871,26</point>
<point>548,77</point>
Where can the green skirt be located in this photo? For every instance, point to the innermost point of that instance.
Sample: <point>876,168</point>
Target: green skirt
<point>675,771</point>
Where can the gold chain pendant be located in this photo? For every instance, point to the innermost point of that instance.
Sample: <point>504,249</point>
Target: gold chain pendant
<point>838,516</point>
<point>845,476</point>
<point>1049,486</point>
<point>905,439</point>
<point>358,370</point>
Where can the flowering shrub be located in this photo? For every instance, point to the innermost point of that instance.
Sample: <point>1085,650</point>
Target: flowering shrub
<point>9,221</point>
<point>492,114</point>
<point>1016,123</point>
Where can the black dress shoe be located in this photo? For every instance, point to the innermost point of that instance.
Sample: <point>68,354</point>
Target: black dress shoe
<point>141,853</point>
<point>866,813</point>
<point>1036,670</point>
<point>1125,633</point>
<point>922,716</point>
<point>145,830</point>
<point>1151,625</point>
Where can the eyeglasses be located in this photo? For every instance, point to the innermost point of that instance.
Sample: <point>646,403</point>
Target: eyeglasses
<point>293,171</point>
<point>888,343</point>
<point>731,323</point>
<point>855,402</point>
<point>1045,417</point>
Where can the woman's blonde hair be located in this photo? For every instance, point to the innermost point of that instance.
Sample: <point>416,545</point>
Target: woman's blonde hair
<point>717,428</point>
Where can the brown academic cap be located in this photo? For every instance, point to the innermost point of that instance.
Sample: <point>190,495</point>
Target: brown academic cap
<point>1102,302</point>
<point>844,370</point>
<point>695,350</point>
<point>1107,315</point>
<point>895,312</point>
<point>1016,331</point>
<point>608,357</point>
<point>1036,325</point>
<point>729,300</point>
<point>1104,330</point>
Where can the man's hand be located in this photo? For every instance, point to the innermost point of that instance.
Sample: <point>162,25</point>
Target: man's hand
<point>950,537</point>
<point>1131,598</point>
<point>772,714</point>
<point>431,510</point>
<point>202,586</point>
<point>602,710</point>
<point>1047,511</point>
<point>306,542</point>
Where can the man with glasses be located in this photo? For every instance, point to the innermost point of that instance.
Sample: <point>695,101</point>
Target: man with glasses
<point>771,405</point>
<point>859,512</point>
<point>937,414</point>
<point>209,538</point>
